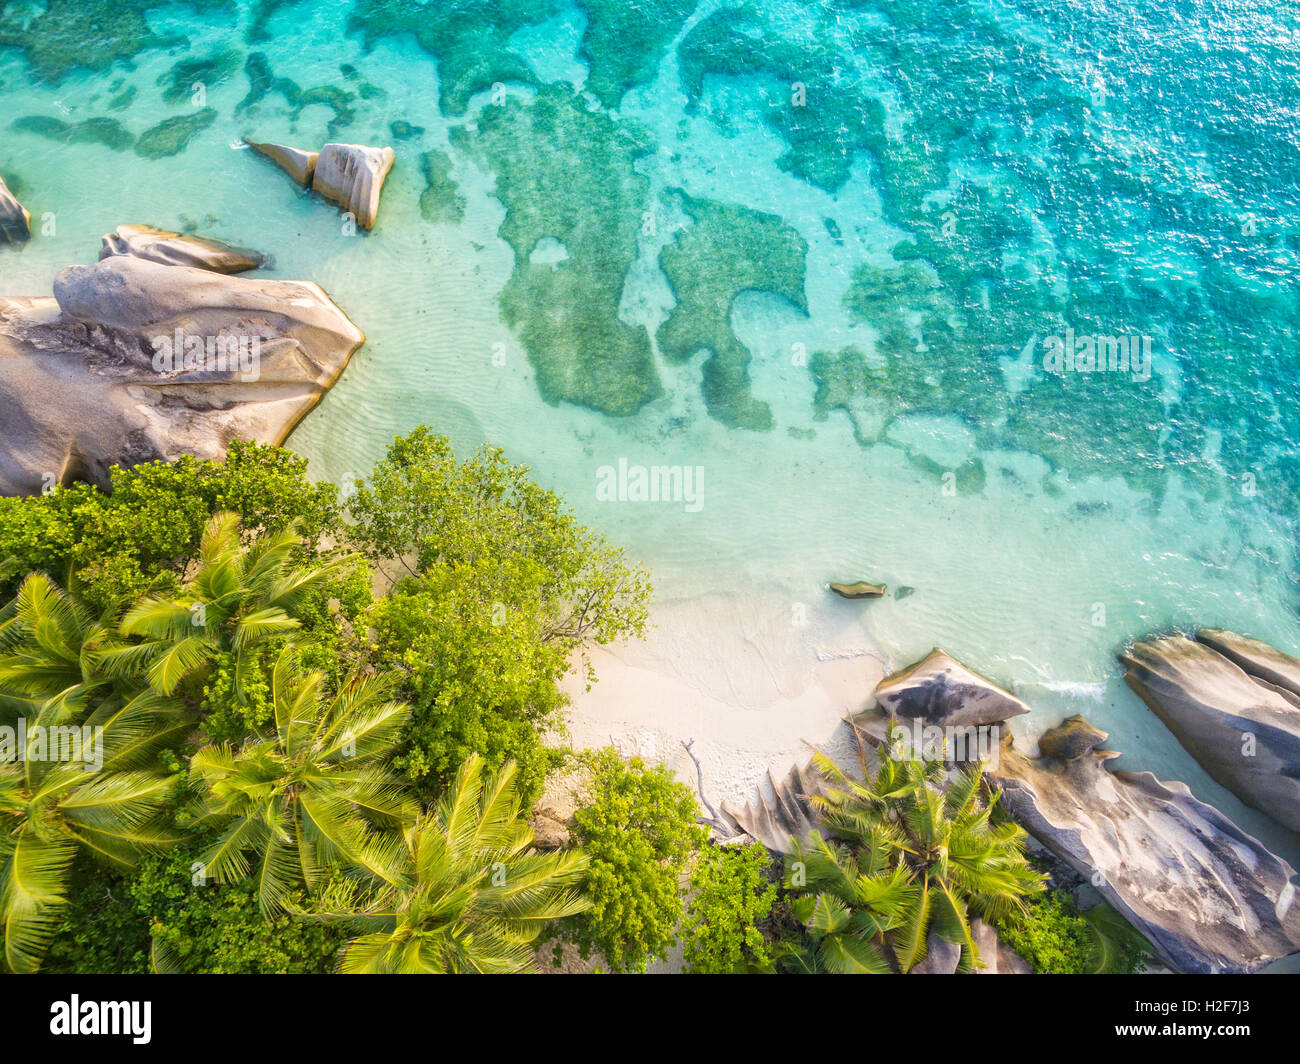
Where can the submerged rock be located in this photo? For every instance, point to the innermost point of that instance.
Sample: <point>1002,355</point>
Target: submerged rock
<point>133,361</point>
<point>173,249</point>
<point>942,691</point>
<point>15,222</point>
<point>352,175</point>
<point>298,164</point>
<point>860,590</point>
<point>1243,728</point>
<point>1206,895</point>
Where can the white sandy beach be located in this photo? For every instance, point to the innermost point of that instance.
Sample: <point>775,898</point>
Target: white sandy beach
<point>737,675</point>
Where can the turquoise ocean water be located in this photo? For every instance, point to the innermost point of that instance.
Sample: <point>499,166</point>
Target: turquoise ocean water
<point>816,251</point>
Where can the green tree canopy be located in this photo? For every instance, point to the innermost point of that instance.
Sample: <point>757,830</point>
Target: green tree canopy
<point>502,586</point>
<point>639,829</point>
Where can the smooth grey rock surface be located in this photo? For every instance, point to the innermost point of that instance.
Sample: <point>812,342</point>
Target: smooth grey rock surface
<point>1242,729</point>
<point>85,382</point>
<point>297,163</point>
<point>173,249</point>
<point>942,691</point>
<point>1206,895</point>
<point>352,175</point>
<point>15,222</point>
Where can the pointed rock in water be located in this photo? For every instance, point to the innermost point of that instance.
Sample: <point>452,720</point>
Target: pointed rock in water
<point>1206,895</point>
<point>352,175</point>
<point>173,249</point>
<point>1235,712</point>
<point>940,690</point>
<point>298,164</point>
<point>87,381</point>
<point>15,222</point>
<point>860,590</point>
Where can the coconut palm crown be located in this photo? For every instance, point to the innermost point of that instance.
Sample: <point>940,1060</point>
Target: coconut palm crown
<point>316,796</point>
<point>474,895</point>
<point>240,597</point>
<point>918,851</point>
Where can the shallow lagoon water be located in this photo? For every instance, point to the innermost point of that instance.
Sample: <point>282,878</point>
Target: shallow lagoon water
<point>1134,168</point>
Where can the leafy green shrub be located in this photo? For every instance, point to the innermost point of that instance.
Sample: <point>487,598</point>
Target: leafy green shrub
<point>117,923</point>
<point>100,931</point>
<point>1056,939</point>
<point>638,830</point>
<point>201,926</point>
<point>1051,935</point>
<point>477,675</point>
<point>140,535</point>
<point>730,897</point>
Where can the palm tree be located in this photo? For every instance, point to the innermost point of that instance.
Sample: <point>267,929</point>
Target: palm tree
<point>240,597</point>
<point>48,649</point>
<point>473,894</point>
<point>97,796</point>
<point>317,795</point>
<point>854,901</point>
<point>943,840</point>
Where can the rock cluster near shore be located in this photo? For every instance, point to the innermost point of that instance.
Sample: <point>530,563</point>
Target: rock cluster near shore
<point>1206,895</point>
<point>1234,704</point>
<point>15,222</point>
<point>140,357</point>
<point>350,175</point>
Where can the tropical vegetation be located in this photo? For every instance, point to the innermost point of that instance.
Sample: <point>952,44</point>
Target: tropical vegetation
<point>914,859</point>
<point>248,725</point>
<point>271,755</point>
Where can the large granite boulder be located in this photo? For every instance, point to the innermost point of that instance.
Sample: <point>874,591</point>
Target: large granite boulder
<point>1263,663</point>
<point>15,222</point>
<point>133,360</point>
<point>352,175</point>
<point>173,249</point>
<point>941,691</point>
<point>1243,728</point>
<point>1208,897</point>
<point>298,164</point>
